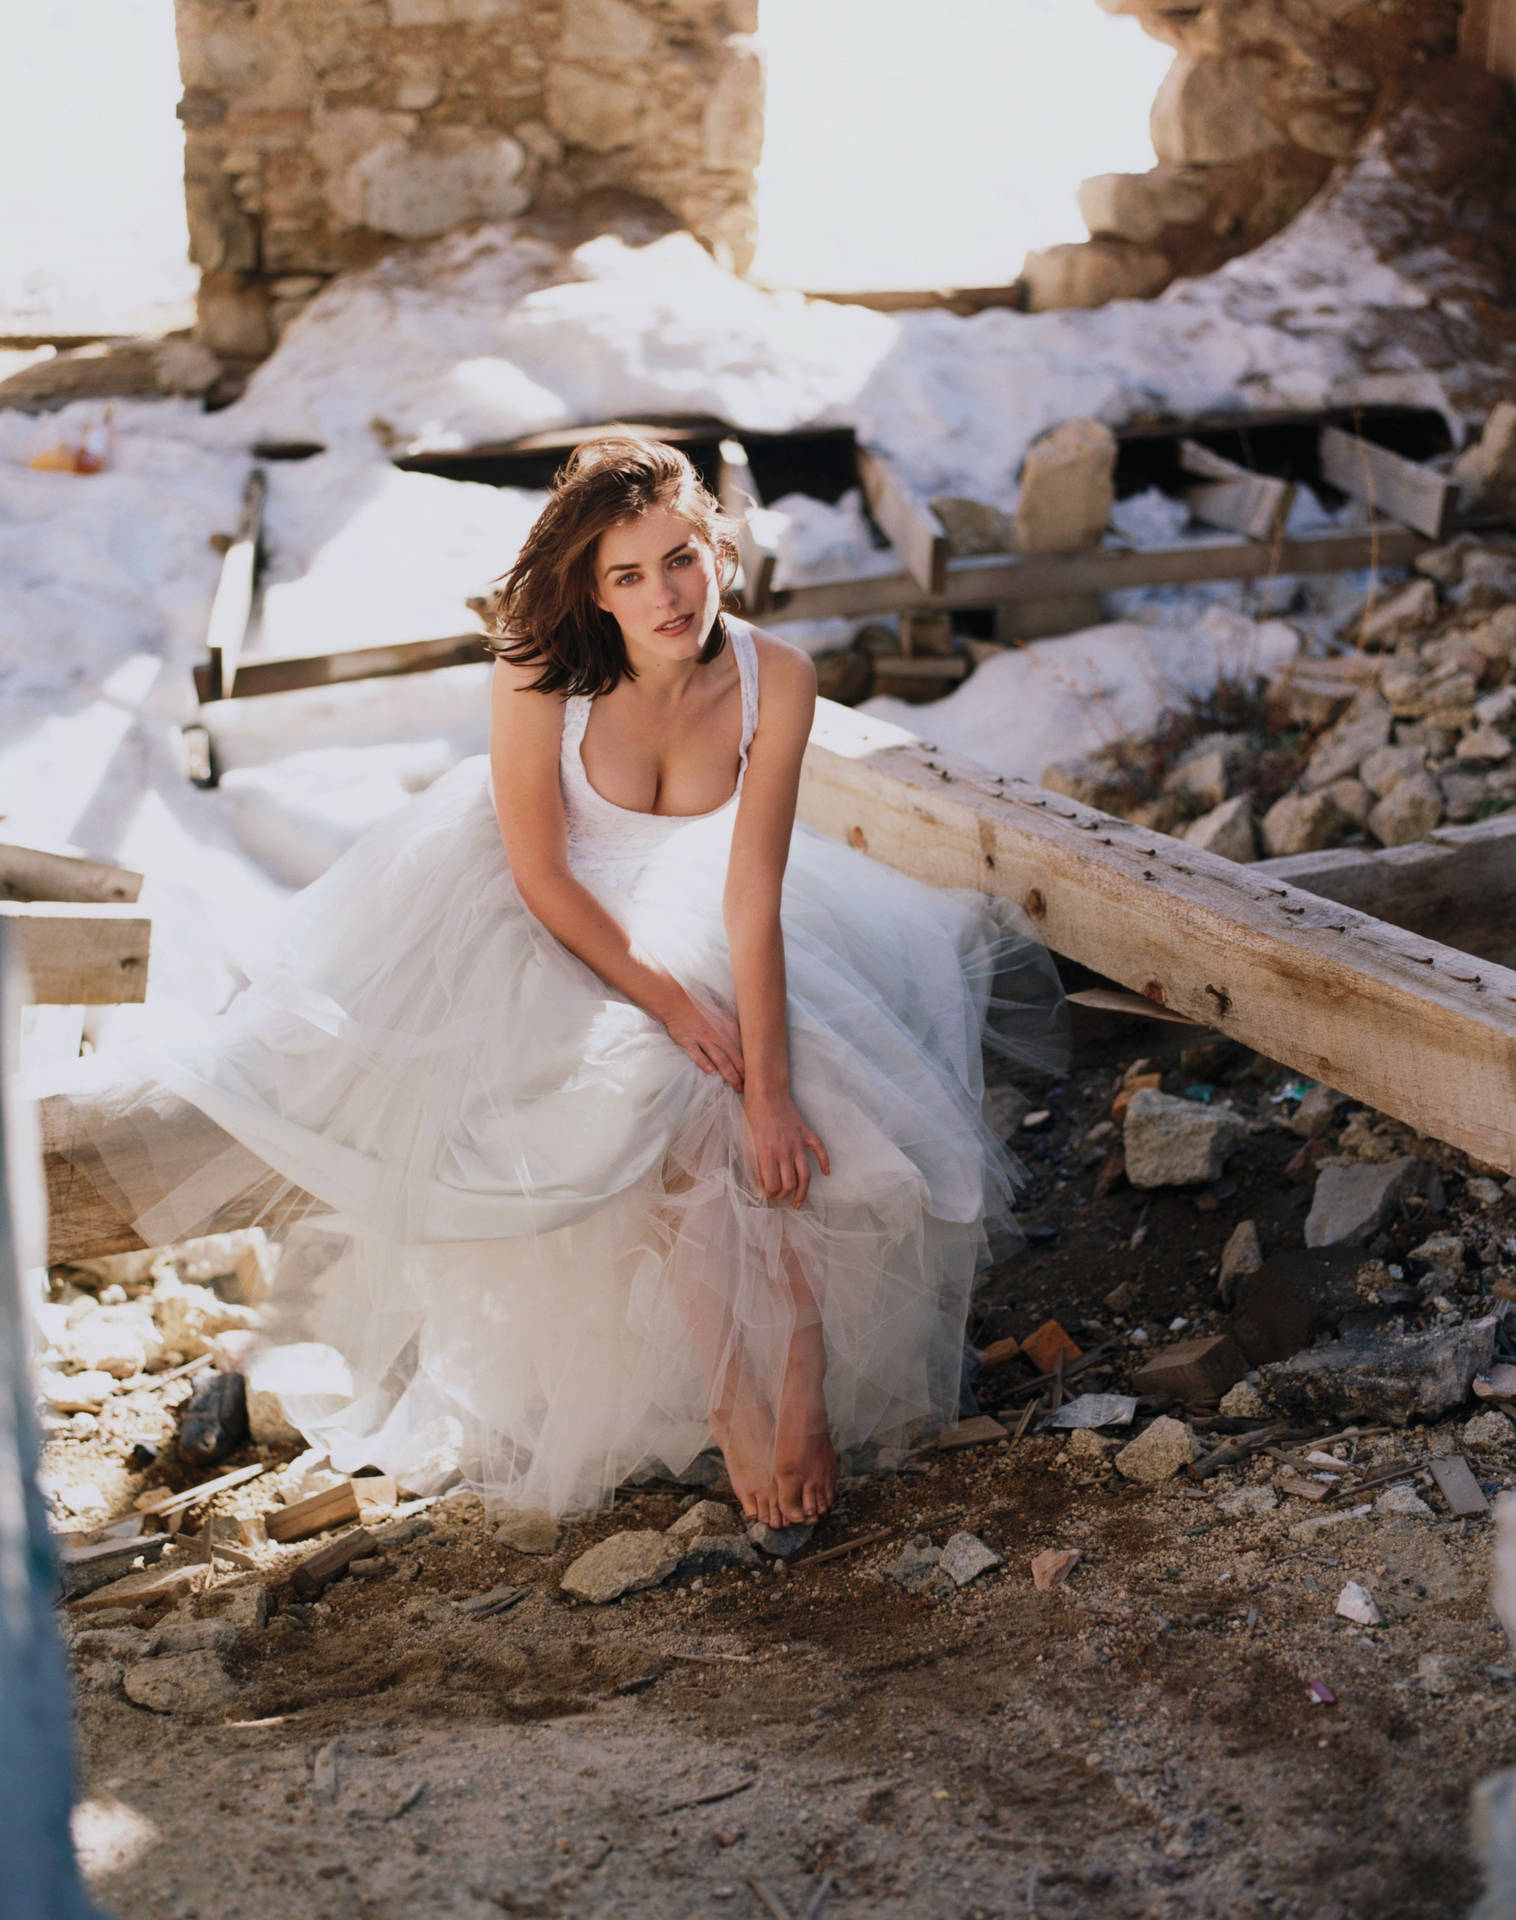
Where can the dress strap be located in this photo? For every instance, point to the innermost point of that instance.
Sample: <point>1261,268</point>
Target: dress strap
<point>576,715</point>
<point>747,673</point>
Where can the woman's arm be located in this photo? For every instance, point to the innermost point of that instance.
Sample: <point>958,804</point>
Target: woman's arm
<point>781,1141</point>
<point>526,733</point>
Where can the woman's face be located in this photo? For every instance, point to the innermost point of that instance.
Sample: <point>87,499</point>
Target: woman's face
<point>656,577</point>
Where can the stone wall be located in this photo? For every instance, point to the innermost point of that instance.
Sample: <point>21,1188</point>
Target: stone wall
<point>319,134</point>
<point>1263,98</point>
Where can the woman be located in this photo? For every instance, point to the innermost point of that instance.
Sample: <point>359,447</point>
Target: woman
<point>664,1125</point>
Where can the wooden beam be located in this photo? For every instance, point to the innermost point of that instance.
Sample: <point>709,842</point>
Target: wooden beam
<point>1413,1028</point>
<point>80,956</point>
<point>992,581</point>
<point>1254,504</point>
<point>289,671</point>
<point>233,603</point>
<point>909,524</point>
<point>739,495</point>
<point>1458,886</point>
<point>45,873</point>
<point>1414,495</point>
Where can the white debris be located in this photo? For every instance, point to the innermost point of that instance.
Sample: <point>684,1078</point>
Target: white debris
<point>1356,1603</point>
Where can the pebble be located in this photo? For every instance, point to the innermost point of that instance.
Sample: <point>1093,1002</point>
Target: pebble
<point>1403,1499</point>
<point>1356,1603</point>
<point>1488,1429</point>
<point>965,1556</point>
<point>1247,1502</point>
<point>532,1531</point>
<point>194,1685</point>
<point>1052,1567</point>
<point>706,1516</point>
<point>1157,1453</point>
<point>1243,1402</point>
<point>623,1563</point>
<point>780,1543</point>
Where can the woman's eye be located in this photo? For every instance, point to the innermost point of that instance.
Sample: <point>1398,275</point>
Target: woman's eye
<point>682,559</point>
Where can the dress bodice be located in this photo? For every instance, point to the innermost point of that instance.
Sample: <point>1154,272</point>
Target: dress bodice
<point>610,843</point>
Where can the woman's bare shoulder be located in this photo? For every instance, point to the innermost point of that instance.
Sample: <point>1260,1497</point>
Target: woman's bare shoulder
<point>786,671</point>
<point>515,703</point>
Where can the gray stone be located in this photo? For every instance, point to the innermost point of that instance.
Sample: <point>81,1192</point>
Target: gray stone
<point>1383,1376</point>
<point>706,1516</point>
<point>1387,766</point>
<point>713,1552</point>
<point>1067,488</point>
<point>1402,1502</point>
<point>1410,611</point>
<point>1158,1453</point>
<point>1170,1142</point>
<point>1244,1402</point>
<point>244,1607</point>
<point>1347,747</point>
<point>194,1636</point>
<point>1228,830</point>
<point>779,1543</point>
<point>1210,111</point>
<point>1440,1250</point>
<point>1412,808</point>
<point>1488,1429</point>
<point>1486,471</point>
<point>194,1686</point>
<point>1438,1673</point>
<point>918,1570</point>
<point>1090,275</point>
<point>965,1556</point>
<point>1352,799</point>
<point>624,1563</point>
<point>592,109</point>
<point>1247,1503</point>
<point>416,189</point>
<point>531,1531</point>
<point>1243,1253</point>
<point>1316,1112</point>
<point>1300,823</point>
<point>1352,1203</point>
<point>973,526</point>
<point>1357,1604</point>
<point>1485,747</point>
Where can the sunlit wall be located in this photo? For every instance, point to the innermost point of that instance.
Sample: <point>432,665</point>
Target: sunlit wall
<point>928,143</point>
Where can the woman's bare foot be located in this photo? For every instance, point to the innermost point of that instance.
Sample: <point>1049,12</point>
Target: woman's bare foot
<point>746,1439</point>
<point>805,1461</point>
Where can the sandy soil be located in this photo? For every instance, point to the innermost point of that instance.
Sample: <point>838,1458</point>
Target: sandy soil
<point>1139,1742</point>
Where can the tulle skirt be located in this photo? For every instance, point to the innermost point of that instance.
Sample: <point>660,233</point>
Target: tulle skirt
<point>521,1243</point>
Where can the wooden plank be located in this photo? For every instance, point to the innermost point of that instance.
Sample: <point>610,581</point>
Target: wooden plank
<point>45,873</point>
<point>325,1565</point>
<point>1316,986</point>
<point>1254,504</point>
<point>1458,886</point>
<point>1412,494</point>
<point>284,673</point>
<point>1118,1000</point>
<point>1457,1485</point>
<point>80,956</point>
<point>987,582</point>
<point>317,1513</point>
<point>909,524</point>
<point>234,591</point>
<point>739,496</point>
<point>169,1501</point>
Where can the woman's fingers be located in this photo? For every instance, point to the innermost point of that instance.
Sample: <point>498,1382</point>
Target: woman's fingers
<point>820,1151</point>
<point>802,1180</point>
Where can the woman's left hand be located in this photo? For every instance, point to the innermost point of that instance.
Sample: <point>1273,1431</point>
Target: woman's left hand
<point>780,1145</point>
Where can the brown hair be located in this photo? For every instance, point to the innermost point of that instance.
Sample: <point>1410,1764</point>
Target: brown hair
<point>544,610</point>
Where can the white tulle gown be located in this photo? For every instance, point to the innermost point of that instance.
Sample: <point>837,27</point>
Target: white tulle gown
<point>520,1214</point>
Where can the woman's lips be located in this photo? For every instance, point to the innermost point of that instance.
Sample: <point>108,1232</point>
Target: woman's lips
<point>672,627</point>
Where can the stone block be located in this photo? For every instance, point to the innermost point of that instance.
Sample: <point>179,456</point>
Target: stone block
<point>592,110</point>
<point>192,1686</point>
<point>607,32</point>
<point>1393,1377</point>
<point>443,178</point>
<point>1340,753</point>
<point>1228,830</point>
<point>1212,111</point>
<point>1352,1203</point>
<point>1067,488</point>
<point>1092,273</point>
<point>965,1556</point>
<point>731,127</point>
<point>1384,769</point>
<point>1409,811</point>
<point>1158,1452</point>
<point>623,1563</point>
<point>1170,1142</point>
<point>1192,1370</point>
<point>1300,823</point>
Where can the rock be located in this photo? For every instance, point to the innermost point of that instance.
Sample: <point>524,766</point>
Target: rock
<point>779,1543</point>
<point>193,1685</point>
<point>1483,1192</point>
<point>1210,110</point>
<point>139,1589</point>
<point>1204,776</point>
<point>1402,1501</point>
<point>1121,1299</point>
<point>973,526</point>
<point>1300,823</point>
<point>592,110</point>
<point>1484,747</point>
<point>245,1607</point>
<point>1247,1503</point>
<point>1242,1254</point>
<point>918,1569</point>
<point>284,1384</point>
<point>1496,638</point>
<point>1093,780</point>
<point>531,1531</point>
<point>1243,1402</point>
<point>78,1392</point>
<point>1362,732</point>
<point>1438,1673</point>
<point>1488,1429</point>
<point>1157,1453</point>
<point>479,1606</point>
<point>1387,766</point>
<point>1352,1203</point>
<point>1138,206</point>
<point>1408,812</point>
<point>1052,1567</point>
<point>1408,612</point>
<point>1356,1603</point>
<point>1486,471</point>
<point>1383,1376</point>
<point>1067,488</point>
<point>191,1318</point>
<point>193,1636</point>
<point>706,1516</point>
<point>1440,1250</point>
<point>1086,1446</point>
<point>965,1556</point>
<point>1315,1114</point>
<point>1169,1142</point>
<point>624,1563</point>
<point>214,1422</point>
<point>1228,830</point>
<point>1089,275</point>
<point>1320,1523</point>
<point>119,1340</point>
<point>1352,800</point>
<point>703,1553</point>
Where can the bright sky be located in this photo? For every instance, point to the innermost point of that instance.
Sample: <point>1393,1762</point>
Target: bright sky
<point>925,143</point>
<point>911,143</point>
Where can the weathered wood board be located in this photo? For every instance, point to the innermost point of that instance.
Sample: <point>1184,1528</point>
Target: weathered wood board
<point>1416,1029</point>
<point>1412,494</point>
<point>284,672</point>
<point>909,524</point>
<point>80,956</point>
<point>47,873</point>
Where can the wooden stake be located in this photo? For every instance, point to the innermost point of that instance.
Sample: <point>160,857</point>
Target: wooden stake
<point>317,1513</point>
<point>234,592</point>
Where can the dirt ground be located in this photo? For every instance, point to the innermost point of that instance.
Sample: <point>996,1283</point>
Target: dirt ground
<point>1142,1741</point>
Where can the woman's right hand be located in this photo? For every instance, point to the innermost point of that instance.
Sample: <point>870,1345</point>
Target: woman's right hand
<point>710,1039</point>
